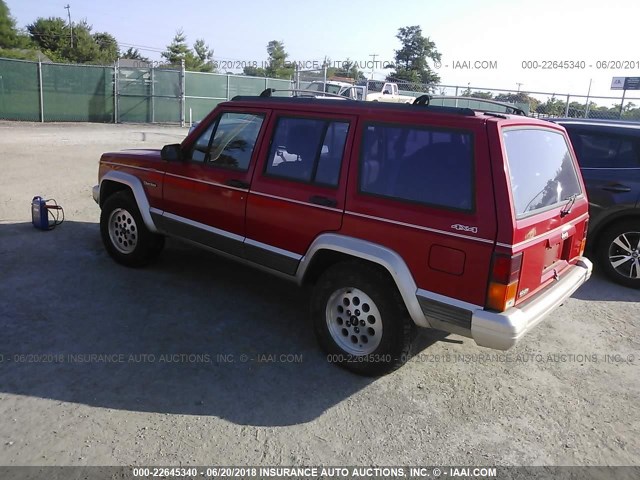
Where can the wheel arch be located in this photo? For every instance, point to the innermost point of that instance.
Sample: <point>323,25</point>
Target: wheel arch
<point>114,181</point>
<point>330,248</point>
<point>618,217</point>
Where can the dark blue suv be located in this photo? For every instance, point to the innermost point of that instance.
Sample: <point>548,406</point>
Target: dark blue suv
<point>609,157</point>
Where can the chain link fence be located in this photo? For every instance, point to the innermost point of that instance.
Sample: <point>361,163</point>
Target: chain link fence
<point>55,93</point>
<point>552,105</point>
<point>47,92</point>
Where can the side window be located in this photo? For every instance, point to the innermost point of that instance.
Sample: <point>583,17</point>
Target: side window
<point>229,141</point>
<point>605,151</point>
<point>201,145</point>
<point>307,150</point>
<point>432,167</point>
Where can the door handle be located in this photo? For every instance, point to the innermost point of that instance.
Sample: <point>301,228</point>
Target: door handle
<point>324,201</point>
<point>617,188</point>
<point>234,182</point>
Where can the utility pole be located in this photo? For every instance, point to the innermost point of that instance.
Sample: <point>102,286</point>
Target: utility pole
<point>373,63</point>
<point>586,110</point>
<point>519,85</point>
<point>68,9</point>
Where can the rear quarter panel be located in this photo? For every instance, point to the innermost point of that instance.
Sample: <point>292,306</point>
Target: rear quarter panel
<point>442,259</point>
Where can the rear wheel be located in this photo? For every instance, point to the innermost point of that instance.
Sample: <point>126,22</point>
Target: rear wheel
<point>124,234</point>
<point>618,253</point>
<point>360,319</point>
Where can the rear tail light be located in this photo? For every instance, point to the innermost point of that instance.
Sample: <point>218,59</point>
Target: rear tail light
<point>583,243</point>
<point>503,286</point>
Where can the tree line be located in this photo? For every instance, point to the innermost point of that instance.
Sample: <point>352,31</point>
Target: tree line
<point>556,107</point>
<point>61,41</point>
<point>78,43</point>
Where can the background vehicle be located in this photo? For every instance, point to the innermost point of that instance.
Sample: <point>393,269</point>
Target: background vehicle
<point>377,91</point>
<point>609,156</point>
<point>330,86</point>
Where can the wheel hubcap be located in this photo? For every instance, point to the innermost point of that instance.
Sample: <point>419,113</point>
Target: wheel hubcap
<point>123,231</point>
<point>624,255</point>
<point>354,321</point>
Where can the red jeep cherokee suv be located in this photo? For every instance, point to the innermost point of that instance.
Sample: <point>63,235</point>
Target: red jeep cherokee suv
<point>398,215</point>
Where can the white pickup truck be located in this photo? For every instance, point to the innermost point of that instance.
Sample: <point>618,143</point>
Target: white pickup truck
<point>375,91</point>
<point>330,86</point>
<point>389,93</point>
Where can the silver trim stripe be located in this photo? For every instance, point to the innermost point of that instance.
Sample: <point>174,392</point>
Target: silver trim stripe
<point>299,202</point>
<point>227,234</point>
<point>202,226</point>
<point>270,248</point>
<point>207,182</point>
<point>133,166</point>
<point>420,227</point>
<point>544,235</point>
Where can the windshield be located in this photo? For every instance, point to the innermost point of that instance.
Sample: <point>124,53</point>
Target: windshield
<point>374,86</point>
<point>315,86</point>
<point>541,169</point>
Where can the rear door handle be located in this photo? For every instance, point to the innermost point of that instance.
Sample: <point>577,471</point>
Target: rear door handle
<point>617,188</point>
<point>234,182</point>
<point>324,201</point>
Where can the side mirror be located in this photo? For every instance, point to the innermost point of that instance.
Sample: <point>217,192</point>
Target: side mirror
<point>172,153</point>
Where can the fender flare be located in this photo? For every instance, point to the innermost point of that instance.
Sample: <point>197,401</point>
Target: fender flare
<point>135,185</point>
<point>390,260</point>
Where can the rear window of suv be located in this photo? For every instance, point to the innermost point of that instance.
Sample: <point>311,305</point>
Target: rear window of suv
<point>541,169</point>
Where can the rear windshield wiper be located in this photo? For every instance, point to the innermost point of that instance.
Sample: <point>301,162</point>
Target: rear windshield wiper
<point>566,210</point>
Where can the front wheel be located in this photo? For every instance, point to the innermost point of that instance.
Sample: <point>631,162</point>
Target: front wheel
<point>360,319</point>
<point>618,253</point>
<point>124,234</point>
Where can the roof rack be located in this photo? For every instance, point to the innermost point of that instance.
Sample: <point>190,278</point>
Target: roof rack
<point>268,92</point>
<point>352,103</point>
<point>510,109</point>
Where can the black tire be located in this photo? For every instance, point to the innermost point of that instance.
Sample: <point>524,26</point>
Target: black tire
<point>137,245</point>
<point>628,273</point>
<point>398,330</point>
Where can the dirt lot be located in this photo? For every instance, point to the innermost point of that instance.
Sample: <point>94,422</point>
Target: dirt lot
<point>188,366</point>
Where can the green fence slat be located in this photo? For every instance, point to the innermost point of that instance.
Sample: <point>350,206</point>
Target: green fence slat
<point>85,93</point>
<point>19,94</point>
<point>74,93</point>
<point>206,85</point>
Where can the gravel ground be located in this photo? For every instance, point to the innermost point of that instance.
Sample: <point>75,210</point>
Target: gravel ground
<point>191,368</point>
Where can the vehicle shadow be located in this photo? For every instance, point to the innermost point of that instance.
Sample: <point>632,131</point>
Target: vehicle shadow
<point>600,288</point>
<point>193,334</point>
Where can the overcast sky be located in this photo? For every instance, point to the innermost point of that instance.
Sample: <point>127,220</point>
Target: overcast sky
<point>502,31</point>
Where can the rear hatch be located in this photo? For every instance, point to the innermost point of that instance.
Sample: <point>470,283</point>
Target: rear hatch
<point>543,212</point>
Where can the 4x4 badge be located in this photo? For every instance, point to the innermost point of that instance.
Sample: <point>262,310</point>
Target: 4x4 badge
<point>464,228</point>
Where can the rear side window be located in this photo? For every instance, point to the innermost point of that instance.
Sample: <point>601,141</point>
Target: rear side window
<point>427,166</point>
<point>307,150</point>
<point>605,151</point>
<point>541,169</point>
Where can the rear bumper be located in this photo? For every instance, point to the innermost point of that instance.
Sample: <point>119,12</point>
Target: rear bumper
<point>95,192</point>
<point>503,330</point>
